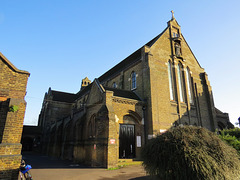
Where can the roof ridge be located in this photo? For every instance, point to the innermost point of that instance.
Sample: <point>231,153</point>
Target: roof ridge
<point>12,66</point>
<point>63,92</point>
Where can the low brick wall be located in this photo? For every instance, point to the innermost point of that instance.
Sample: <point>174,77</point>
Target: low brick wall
<point>9,168</point>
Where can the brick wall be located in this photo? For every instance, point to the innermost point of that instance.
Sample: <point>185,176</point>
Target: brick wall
<point>12,92</point>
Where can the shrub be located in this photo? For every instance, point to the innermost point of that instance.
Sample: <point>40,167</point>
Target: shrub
<point>231,137</point>
<point>190,153</point>
<point>232,132</point>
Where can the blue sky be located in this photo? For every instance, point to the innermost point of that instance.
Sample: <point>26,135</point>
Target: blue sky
<point>60,42</point>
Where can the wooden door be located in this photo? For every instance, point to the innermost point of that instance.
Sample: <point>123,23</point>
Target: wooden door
<point>126,141</point>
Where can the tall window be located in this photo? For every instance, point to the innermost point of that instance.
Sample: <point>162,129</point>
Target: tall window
<point>170,78</point>
<point>181,83</point>
<point>189,84</point>
<point>114,85</point>
<point>133,78</point>
<point>92,127</point>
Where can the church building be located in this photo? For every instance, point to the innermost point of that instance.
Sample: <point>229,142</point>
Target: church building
<point>158,86</point>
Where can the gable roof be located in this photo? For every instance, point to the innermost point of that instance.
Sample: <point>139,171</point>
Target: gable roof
<point>10,65</point>
<point>123,93</point>
<point>84,90</point>
<point>134,57</point>
<point>130,60</point>
<point>63,96</point>
<point>191,51</point>
<point>150,43</point>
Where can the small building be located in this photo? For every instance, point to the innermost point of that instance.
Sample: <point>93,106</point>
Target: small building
<point>13,84</point>
<point>158,86</point>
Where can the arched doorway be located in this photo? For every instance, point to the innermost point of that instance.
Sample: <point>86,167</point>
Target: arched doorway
<point>127,141</point>
<point>127,136</point>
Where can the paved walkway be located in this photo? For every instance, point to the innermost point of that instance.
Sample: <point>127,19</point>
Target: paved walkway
<point>46,168</point>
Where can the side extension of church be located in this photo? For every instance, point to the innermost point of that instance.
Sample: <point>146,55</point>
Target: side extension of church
<point>158,86</point>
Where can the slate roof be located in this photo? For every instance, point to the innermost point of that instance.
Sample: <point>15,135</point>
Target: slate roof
<point>122,65</point>
<point>127,62</point>
<point>84,90</point>
<point>63,96</point>
<point>123,93</point>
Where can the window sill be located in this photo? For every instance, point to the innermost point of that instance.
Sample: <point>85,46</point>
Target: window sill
<point>183,104</point>
<point>176,38</point>
<point>174,103</point>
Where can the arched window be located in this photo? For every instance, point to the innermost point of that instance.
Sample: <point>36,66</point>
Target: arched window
<point>92,127</point>
<point>114,85</point>
<point>133,80</point>
<point>171,79</point>
<point>190,87</point>
<point>181,82</point>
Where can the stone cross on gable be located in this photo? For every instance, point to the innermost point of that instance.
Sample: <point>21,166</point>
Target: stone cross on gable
<point>172,14</point>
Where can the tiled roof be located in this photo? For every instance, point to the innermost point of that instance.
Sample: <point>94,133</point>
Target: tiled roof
<point>123,93</point>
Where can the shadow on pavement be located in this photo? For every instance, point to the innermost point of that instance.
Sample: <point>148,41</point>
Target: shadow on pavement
<point>45,167</point>
<point>39,161</point>
<point>128,176</point>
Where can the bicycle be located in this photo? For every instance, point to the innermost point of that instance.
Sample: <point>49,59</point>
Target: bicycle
<point>24,171</point>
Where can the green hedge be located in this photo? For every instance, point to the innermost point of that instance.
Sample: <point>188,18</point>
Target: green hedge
<point>231,137</point>
<point>190,153</point>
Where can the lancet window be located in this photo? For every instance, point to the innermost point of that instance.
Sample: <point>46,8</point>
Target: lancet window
<point>190,86</point>
<point>133,80</point>
<point>181,82</point>
<point>171,80</point>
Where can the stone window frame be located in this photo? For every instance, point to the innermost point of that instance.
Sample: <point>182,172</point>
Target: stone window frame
<point>181,82</point>
<point>175,34</point>
<point>171,81</point>
<point>92,127</point>
<point>133,80</point>
<point>189,86</point>
<point>177,48</point>
<point>114,85</point>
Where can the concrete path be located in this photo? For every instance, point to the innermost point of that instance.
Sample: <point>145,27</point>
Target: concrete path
<point>45,168</point>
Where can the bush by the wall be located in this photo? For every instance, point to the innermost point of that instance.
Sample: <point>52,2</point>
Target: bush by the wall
<point>231,137</point>
<point>190,153</point>
<point>232,132</point>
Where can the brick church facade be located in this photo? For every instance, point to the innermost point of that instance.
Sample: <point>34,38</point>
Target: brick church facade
<point>158,86</point>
